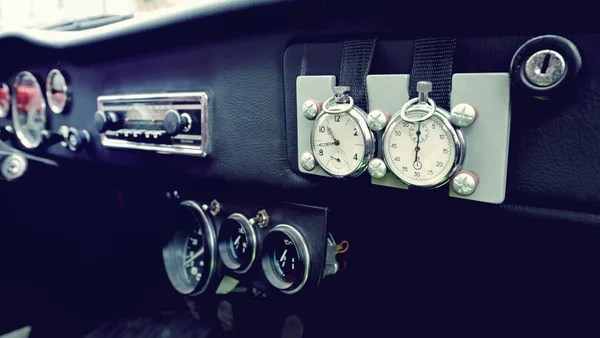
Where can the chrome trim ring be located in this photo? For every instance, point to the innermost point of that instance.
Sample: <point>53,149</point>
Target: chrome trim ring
<point>303,254</point>
<point>15,114</point>
<point>174,254</point>
<point>54,107</point>
<point>226,258</point>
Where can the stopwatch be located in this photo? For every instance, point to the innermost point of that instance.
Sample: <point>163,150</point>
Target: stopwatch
<point>421,146</point>
<point>341,141</point>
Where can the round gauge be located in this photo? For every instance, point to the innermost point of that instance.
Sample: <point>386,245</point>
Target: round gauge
<point>28,110</point>
<point>424,154</point>
<point>57,91</point>
<point>190,255</point>
<point>237,243</point>
<point>4,100</point>
<point>342,143</point>
<point>286,259</point>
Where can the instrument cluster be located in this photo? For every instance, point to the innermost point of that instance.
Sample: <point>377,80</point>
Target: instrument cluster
<point>219,247</point>
<point>25,102</point>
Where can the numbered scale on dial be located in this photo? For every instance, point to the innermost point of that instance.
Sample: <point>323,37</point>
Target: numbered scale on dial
<point>341,142</point>
<point>420,145</point>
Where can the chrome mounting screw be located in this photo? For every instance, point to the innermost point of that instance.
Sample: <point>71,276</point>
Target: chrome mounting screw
<point>464,183</point>
<point>376,120</point>
<point>310,109</point>
<point>307,161</point>
<point>377,168</point>
<point>545,68</point>
<point>463,115</point>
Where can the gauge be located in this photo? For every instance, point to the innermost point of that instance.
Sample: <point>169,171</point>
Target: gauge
<point>57,91</point>
<point>28,110</point>
<point>424,154</point>
<point>190,255</point>
<point>342,143</point>
<point>4,100</point>
<point>286,259</point>
<point>237,243</point>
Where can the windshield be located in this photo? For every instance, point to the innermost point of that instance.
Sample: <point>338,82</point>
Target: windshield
<point>17,14</point>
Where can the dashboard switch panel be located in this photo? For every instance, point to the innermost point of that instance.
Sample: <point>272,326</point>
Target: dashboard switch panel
<point>172,123</point>
<point>486,131</point>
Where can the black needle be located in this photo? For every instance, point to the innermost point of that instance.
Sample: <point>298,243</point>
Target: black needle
<point>335,141</point>
<point>337,159</point>
<point>327,144</point>
<point>418,140</point>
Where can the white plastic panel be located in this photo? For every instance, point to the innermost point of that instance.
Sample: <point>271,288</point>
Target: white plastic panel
<point>318,88</point>
<point>487,139</point>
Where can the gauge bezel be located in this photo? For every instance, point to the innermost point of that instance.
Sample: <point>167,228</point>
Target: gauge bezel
<point>360,117</point>
<point>459,146</point>
<point>53,107</point>
<point>174,253</point>
<point>303,255</point>
<point>6,113</point>
<point>15,111</point>
<point>230,262</point>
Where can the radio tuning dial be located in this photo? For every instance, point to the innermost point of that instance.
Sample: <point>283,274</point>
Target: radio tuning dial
<point>106,121</point>
<point>176,123</point>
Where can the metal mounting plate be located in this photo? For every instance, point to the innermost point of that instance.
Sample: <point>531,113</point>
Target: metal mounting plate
<point>487,139</point>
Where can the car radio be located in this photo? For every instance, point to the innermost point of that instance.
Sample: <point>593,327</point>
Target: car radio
<point>171,123</point>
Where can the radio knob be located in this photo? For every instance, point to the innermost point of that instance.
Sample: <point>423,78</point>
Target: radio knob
<point>106,121</point>
<point>176,123</point>
<point>77,139</point>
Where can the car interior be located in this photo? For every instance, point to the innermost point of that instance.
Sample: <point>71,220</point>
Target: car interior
<point>301,169</point>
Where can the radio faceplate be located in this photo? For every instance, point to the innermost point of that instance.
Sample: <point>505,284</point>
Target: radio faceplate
<point>138,122</point>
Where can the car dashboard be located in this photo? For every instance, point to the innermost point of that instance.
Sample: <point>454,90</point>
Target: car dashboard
<point>288,160</point>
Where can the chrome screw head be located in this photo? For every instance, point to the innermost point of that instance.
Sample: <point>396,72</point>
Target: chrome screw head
<point>376,120</point>
<point>310,109</point>
<point>465,182</point>
<point>463,115</point>
<point>545,68</point>
<point>377,168</point>
<point>307,161</point>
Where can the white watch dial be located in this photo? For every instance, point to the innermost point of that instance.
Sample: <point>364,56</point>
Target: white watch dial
<point>420,154</point>
<point>338,143</point>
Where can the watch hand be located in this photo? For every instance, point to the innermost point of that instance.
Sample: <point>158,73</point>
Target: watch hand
<point>199,253</point>
<point>327,144</point>
<point>418,140</point>
<point>330,132</point>
<point>337,159</point>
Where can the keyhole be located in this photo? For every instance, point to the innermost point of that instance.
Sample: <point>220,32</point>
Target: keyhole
<point>545,64</point>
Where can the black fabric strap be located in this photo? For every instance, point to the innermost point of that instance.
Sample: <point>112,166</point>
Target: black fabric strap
<point>356,63</point>
<point>432,61</point>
